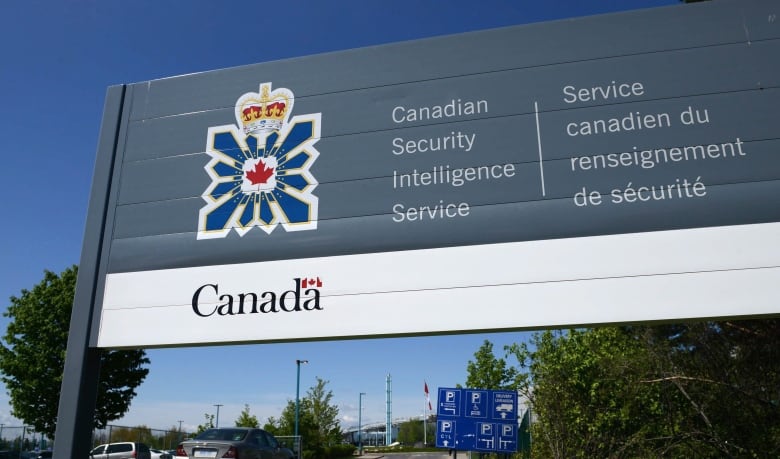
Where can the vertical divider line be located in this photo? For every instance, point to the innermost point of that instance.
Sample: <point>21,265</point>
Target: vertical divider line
<point>539,143</point>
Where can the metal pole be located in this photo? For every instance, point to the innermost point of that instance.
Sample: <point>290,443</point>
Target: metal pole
<point>389,412</point>
<point>425,426</point>
<point>360,423</point>
<point>530,440</point>
<point>297,398</point>
<point>217,422</point>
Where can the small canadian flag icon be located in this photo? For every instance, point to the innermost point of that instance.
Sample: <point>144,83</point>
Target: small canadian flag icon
<point>311,282</point>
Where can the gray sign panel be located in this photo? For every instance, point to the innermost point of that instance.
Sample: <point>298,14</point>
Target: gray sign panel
<point>628,123</point>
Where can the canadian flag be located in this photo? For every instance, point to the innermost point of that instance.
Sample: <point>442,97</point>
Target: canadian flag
<point>428,396</point>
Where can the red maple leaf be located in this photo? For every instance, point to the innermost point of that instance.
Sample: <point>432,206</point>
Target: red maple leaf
<point>260,176</point>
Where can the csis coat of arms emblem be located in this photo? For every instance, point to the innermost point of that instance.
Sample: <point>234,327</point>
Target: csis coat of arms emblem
<point>260,168</point>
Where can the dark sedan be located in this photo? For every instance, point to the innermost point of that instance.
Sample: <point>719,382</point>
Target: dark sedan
<point>237,442</point>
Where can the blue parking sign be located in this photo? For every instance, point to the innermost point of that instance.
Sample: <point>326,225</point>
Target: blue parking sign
<point>445,433</point>
<point>507,438</point>
<point>486,436</point>
<point>476,405</point>
<point>477,420</point>
<point>449,402</point>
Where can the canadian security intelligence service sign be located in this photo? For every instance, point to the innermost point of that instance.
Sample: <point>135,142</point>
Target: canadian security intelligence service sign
<point>260,168</point>
<point>629,176</point>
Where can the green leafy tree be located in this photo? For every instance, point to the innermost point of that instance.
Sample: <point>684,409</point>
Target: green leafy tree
<point>285,424</point>
<point>318,423</point>
<point>411,432</point>
<point>140,433</point>
<point>208,424</point>
<point>32,357</point>
<point>489,372</point>
<point>705,389</point>
<point>273,425</point>
<point>585,391</point>
<point>170,438</point>
<point>326,415</point>
<point>724,380</point>
<point>247,420</point>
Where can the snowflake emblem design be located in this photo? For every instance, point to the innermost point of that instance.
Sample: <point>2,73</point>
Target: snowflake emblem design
<point>260,168</point>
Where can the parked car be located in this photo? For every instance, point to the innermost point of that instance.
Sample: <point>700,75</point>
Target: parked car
<point>122,450</point>
<point>157,454</point>
<point>28,455</point>
<point>242,442</point>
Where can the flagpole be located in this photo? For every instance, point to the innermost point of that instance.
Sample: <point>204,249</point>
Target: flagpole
<point>425,424</point>
<point>425,414</point>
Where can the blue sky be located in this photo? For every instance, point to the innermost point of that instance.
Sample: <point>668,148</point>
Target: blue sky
<point>58,58</point>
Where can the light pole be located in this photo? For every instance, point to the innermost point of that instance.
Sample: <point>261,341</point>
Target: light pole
<point>217,422</point>
<point>297,396</point>
<point>360,423</point>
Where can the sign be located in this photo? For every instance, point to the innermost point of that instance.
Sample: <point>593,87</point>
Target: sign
<point>608,169</point>
<point>477,420</point>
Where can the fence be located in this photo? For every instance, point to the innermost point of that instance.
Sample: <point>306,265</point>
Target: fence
<point>16,441</point>
<point>292,442</point>
<point>165,439</point>
<point>154,438</point>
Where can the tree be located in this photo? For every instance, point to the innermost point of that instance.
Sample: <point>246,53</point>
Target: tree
<point>724,378</point>
<point>318,423</point>
<point>585,392</point>
<point>32,357</point>
<point>703,389</point>
<point>273,425</point>
<point>489,372</point>
<point>170,438</point>
<point>326,416</point>
<point>412,431</point>
<point>140,433</point>
<point>285,424</point>
<point>247,420</point>
<point>208,424</point>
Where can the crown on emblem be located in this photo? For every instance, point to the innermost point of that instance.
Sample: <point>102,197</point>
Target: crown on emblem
<point>264,111</point>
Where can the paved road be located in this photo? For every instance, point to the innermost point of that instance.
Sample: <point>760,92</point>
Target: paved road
<point>433,455</point>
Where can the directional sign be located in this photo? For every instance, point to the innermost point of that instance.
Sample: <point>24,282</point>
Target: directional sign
<point>477,420</point>
<point>507,438</point>
<point>486,436</point>
<point>449,403</point>
<point>445,433</point>
<point>505,406</point>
